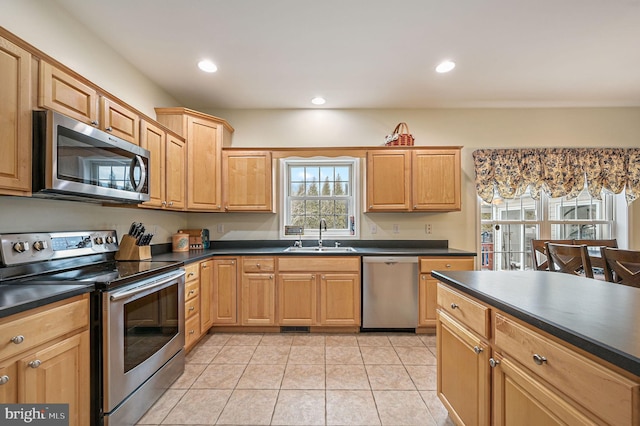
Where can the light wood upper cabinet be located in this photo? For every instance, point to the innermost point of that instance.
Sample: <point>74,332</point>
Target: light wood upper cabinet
<point>205,136</point>
<point>247,178</point>
<point>15,119</point>
<point>435,180</point>
<point>62,92</point>
<point>167,167</point>
<point>66,94</point>
<point>119,121</point>
<point>402,180</point>
<point>388,180</point>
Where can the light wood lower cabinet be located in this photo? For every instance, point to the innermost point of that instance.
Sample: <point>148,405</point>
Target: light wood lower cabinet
<point>225,291</point>
<point>464,384</point>
<point>428,286</point>
<point>192,305</point>
<point>258,291</point>
<point>46,359</point>
<point>314,291</point>
<point>511,373</point>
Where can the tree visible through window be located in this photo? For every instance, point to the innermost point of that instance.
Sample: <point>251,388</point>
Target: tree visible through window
<point>320,189</point>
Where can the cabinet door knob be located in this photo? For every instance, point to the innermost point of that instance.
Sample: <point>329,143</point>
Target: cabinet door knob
<point>35,363</point>
<point>454,306</point>
<point>539,359</point>
<point>493,362</point>
<point>17,339</point>
<point>4,379</point>
<point>477,349</point>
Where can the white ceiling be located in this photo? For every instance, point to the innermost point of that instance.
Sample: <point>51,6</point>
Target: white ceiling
<point>378,53</point>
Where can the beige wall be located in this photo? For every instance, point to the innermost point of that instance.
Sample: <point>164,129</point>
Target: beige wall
<point>54,32</point>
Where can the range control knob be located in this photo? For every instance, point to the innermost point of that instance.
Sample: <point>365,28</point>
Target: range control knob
<point>21,247</point>
<point>39,245</point>
<point>99,240</point>
<point>110,239</point>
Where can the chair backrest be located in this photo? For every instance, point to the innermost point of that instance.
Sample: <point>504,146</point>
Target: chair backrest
<point>621,266</point>
<point>569,259</point>
<point>539,253</point>
<point>596,261</point>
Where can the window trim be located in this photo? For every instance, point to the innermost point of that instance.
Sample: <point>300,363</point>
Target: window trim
<point>313,234</point>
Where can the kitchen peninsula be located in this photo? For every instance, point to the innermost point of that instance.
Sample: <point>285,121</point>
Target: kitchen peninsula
<point>552,347</point>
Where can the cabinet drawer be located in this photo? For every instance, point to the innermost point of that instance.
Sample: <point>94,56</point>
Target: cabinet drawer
<point>192,307</point>
<point>192,330</point>
<point>319,263</point>
<point>605,393</point>
<point>41,325</point>
<point>445,264</point>
<point>191,289</point>
<point>191,272</point>
<point>469,312</point>
<point>258,264</point>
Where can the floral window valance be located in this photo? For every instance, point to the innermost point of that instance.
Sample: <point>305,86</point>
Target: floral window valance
<point>559,172</point>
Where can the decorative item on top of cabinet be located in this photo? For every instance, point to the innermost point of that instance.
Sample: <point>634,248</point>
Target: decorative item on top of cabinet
<point>205,136</point>
<point>406,180</point>
<point>167,167</point>
<point>15,118</point>
<point>428,286</point>
<point>247,184</point>
<point>258,291</point>
<point>46,360</point>
<point>319,291</point>
<point>60,91</point>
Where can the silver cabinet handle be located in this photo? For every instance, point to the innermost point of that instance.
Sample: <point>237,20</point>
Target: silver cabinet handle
<point>493,362</point>
<point>4,379</point>
<point>454,306</point>
<point>539,359</point>
<point>17,339</point>
<point>35,363</point>
<point>477,349</point>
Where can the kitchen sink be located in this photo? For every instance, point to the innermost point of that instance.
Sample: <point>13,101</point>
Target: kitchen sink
<point>317,249</point>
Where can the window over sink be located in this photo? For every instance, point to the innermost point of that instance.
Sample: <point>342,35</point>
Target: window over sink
<point>320,188</point>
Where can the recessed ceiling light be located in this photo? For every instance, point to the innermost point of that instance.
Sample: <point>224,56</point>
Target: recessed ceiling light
<point>207,66</point>
<point>445,66</point>
<point>318,100</point>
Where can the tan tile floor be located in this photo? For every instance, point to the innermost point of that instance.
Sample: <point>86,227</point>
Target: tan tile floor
<point>305,379</point>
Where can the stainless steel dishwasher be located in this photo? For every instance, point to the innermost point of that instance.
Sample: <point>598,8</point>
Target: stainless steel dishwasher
<point>390,292</point>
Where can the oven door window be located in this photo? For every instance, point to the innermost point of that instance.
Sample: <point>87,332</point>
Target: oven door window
<point>150,322</point>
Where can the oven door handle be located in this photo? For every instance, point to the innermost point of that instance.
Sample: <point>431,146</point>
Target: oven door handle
<point>127,293</point>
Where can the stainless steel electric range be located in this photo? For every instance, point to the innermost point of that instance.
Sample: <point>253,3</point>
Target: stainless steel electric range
<point>137,312</point>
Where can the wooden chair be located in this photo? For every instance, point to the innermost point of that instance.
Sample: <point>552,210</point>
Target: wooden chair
<point>596,261</point>
<point>539,253</point>
<point>621,266</point>
<point>569,259</point>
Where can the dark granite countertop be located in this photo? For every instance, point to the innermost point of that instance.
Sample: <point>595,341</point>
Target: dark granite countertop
<point>278,247</point>
<point>19,298</point>
<point>599,317</point>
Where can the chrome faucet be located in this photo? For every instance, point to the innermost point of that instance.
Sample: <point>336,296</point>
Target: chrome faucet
<point>322,223</point>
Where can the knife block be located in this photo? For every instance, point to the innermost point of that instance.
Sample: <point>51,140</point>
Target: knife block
<point>128,250</point>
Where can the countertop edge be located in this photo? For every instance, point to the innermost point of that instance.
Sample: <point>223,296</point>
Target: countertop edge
<point>610,354</point>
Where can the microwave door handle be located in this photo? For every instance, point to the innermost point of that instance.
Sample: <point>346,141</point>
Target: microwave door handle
<point>143,173</point>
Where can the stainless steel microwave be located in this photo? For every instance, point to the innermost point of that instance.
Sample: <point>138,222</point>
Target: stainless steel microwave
<point>75,161</point>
